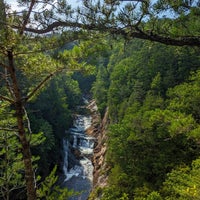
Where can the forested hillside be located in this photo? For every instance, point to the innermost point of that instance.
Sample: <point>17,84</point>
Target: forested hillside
<point>152,92</point>
<point>138,59</point>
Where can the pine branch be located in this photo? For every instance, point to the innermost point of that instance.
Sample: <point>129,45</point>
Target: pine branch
<point>179,41</point>
<point>6,99</point>
<point>41,84</point>
<point>52,26</point>
<point>8,129</point>
<point>27,17</point>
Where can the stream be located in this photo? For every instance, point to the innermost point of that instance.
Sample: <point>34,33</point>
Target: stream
<point>78,150</point>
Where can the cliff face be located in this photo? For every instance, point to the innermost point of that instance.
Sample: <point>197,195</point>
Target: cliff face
<point>98,130</point>
<point>100,177</point>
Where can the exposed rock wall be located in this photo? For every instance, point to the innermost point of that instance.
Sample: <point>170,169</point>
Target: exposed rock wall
<point>100,168</point>
<point>98,130</point>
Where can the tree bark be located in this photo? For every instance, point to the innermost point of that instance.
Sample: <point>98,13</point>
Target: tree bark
<point>19,108</point>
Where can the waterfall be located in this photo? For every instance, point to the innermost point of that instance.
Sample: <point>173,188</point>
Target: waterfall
<point>79,176</point>
<point>75,141</point>
<point>65,165</point>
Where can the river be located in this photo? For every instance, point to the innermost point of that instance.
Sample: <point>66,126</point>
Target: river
<point>78,150</point>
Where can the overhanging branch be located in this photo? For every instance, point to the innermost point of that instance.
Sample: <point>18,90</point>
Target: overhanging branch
<point>27,17</point>
<point>52,26</point>
<point>179,41</point>
<point>41,84</point>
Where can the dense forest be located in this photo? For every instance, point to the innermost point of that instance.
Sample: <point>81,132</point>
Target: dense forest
<point>152,92</point>
<point>138,59</point>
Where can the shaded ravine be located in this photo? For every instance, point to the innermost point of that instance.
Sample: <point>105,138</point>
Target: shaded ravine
<point>78,153</point>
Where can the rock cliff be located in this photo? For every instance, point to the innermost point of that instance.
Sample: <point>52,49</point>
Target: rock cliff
<point>98,130</point>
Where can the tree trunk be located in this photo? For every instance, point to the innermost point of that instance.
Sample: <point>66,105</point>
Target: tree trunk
<point>19,108</point>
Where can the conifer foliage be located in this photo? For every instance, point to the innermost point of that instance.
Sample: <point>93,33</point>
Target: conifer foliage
<point>152,92</point>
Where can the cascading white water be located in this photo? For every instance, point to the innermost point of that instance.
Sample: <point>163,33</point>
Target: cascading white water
<point>65,165</point>
<point>75,141</point>
<point>80,176</point>
<point>87,168</point>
